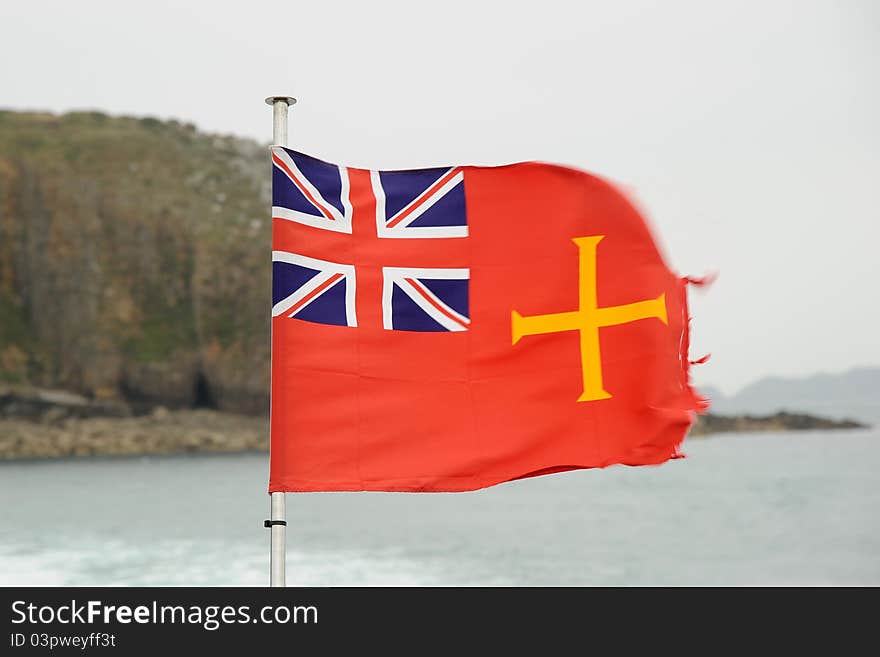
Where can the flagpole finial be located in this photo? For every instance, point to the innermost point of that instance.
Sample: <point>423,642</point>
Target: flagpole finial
<point>271,100</point>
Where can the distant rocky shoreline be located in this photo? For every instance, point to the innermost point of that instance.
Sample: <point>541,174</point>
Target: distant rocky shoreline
<point>161,432</point>
<point>37,424</point>
<point>711,423</point>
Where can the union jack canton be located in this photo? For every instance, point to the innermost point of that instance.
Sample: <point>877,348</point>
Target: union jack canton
<point>415,204</point>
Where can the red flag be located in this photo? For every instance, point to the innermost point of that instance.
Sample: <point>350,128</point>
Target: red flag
<point>450,329</point>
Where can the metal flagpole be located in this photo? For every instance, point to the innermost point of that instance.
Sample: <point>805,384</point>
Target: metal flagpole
<point>277,522</point>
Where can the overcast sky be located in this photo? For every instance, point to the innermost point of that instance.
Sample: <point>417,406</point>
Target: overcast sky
<point>747,131</point>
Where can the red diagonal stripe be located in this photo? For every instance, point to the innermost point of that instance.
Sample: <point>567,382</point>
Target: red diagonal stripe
<point>430,299</point>
<point>311,295</point>
<point>433,188</point>
<point>278,161</point>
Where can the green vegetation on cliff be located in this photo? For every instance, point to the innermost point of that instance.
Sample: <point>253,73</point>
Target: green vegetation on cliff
<point>134,260</point>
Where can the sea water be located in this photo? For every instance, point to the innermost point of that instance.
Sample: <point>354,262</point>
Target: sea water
<point>790,508</point>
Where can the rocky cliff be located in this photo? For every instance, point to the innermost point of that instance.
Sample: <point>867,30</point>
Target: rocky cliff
<point>134,260</point>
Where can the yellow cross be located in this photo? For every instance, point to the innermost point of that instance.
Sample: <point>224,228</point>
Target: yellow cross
<point>588,319</point>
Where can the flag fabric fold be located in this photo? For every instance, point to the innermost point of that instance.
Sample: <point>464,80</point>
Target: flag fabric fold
<point>453,328</point>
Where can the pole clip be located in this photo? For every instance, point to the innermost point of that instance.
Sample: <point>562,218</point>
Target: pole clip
<point>269,523</point>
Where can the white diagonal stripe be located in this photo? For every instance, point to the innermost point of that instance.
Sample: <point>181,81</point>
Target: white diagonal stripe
<point>279,212</point>
<point>424,288</point>
<point>431,201</point>
<point>301,179</point>
<point>288,302</point>
<point>326,270</point>
<point>432,312</point>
